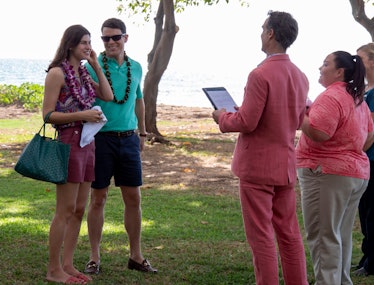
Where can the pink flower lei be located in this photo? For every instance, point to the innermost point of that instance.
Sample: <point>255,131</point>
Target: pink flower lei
<point>85,102</point>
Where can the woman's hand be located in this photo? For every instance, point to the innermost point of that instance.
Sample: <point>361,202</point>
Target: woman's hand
<point>92,59</point>
<point>91,115</point>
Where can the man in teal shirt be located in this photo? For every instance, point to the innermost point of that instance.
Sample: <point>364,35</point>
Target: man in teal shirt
<point>118,146</point>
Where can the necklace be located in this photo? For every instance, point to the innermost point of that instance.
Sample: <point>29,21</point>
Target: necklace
<point>107,74</point>
<point>71,81</point>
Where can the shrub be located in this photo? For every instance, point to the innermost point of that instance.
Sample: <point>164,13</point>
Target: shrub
<point>28,95</point>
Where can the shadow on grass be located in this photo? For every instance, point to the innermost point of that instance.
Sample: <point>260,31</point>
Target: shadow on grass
<point>190,237</point>
<point>192,225</point>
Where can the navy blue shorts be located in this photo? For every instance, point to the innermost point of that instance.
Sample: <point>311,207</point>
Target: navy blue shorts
<point>118,157</point>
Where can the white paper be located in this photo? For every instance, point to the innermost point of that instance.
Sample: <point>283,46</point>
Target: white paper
<point>90,129</point>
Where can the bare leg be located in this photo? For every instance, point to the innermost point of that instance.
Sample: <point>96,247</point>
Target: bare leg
<point>66,195</point>
<point>95,221</point>
<point>73,229</point>
<point>133,220</point>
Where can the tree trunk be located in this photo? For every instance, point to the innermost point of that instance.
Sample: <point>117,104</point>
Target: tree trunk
<point>158,60</point>
<point>358,12</point>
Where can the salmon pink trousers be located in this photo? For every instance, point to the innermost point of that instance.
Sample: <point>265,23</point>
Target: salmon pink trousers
<point>270,222</point>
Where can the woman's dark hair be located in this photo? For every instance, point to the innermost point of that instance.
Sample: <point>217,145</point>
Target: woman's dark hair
<point>70,39</point>
<point>354,74</point>
<point>114,23</point>
<point>284,26</point>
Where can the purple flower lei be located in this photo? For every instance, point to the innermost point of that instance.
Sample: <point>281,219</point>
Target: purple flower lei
<point>85,102</point>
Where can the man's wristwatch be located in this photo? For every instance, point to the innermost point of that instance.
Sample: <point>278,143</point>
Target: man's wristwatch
<point>142,135</point>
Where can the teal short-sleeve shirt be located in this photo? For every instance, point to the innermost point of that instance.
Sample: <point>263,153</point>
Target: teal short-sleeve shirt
<point>121,117</point>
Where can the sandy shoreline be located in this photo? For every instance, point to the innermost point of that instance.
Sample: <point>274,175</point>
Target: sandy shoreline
<point>163,112</point>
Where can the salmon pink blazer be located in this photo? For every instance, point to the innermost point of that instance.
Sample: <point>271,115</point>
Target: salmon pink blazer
<point>272,110</point>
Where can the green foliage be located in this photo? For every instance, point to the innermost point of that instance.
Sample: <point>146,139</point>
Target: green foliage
<point>149,7</point>
<point>27,95</point>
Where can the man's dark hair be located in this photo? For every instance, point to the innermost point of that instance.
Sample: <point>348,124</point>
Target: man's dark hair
<point>114,23</point>
<point>284,26</point>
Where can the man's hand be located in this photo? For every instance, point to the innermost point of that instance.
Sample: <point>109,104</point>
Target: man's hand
<point>217,113</point>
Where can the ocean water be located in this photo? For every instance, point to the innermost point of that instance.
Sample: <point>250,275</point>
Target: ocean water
<point>177,87</point>
<point>18,71</point>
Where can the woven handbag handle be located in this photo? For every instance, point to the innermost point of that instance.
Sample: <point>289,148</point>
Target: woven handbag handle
<point>46,118</point>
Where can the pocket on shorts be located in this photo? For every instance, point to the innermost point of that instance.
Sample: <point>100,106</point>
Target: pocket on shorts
<point>70,136</point>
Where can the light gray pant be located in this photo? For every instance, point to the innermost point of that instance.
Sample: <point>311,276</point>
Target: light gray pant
<point>329,205</point>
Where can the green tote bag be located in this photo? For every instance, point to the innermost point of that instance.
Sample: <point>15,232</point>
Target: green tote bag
<point>44,158</point>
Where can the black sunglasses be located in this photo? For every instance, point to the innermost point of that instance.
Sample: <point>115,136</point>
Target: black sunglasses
<point>114,38</point>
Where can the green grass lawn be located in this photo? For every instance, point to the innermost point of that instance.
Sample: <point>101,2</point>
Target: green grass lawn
<point>192,236</point>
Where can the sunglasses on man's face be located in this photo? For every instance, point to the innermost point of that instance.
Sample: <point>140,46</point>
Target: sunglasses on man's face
<point>114,38</point>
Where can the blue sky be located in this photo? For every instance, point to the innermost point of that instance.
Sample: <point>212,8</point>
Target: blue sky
<point>223,38</point>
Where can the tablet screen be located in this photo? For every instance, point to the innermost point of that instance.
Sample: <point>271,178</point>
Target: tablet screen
<point>219,97</point>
